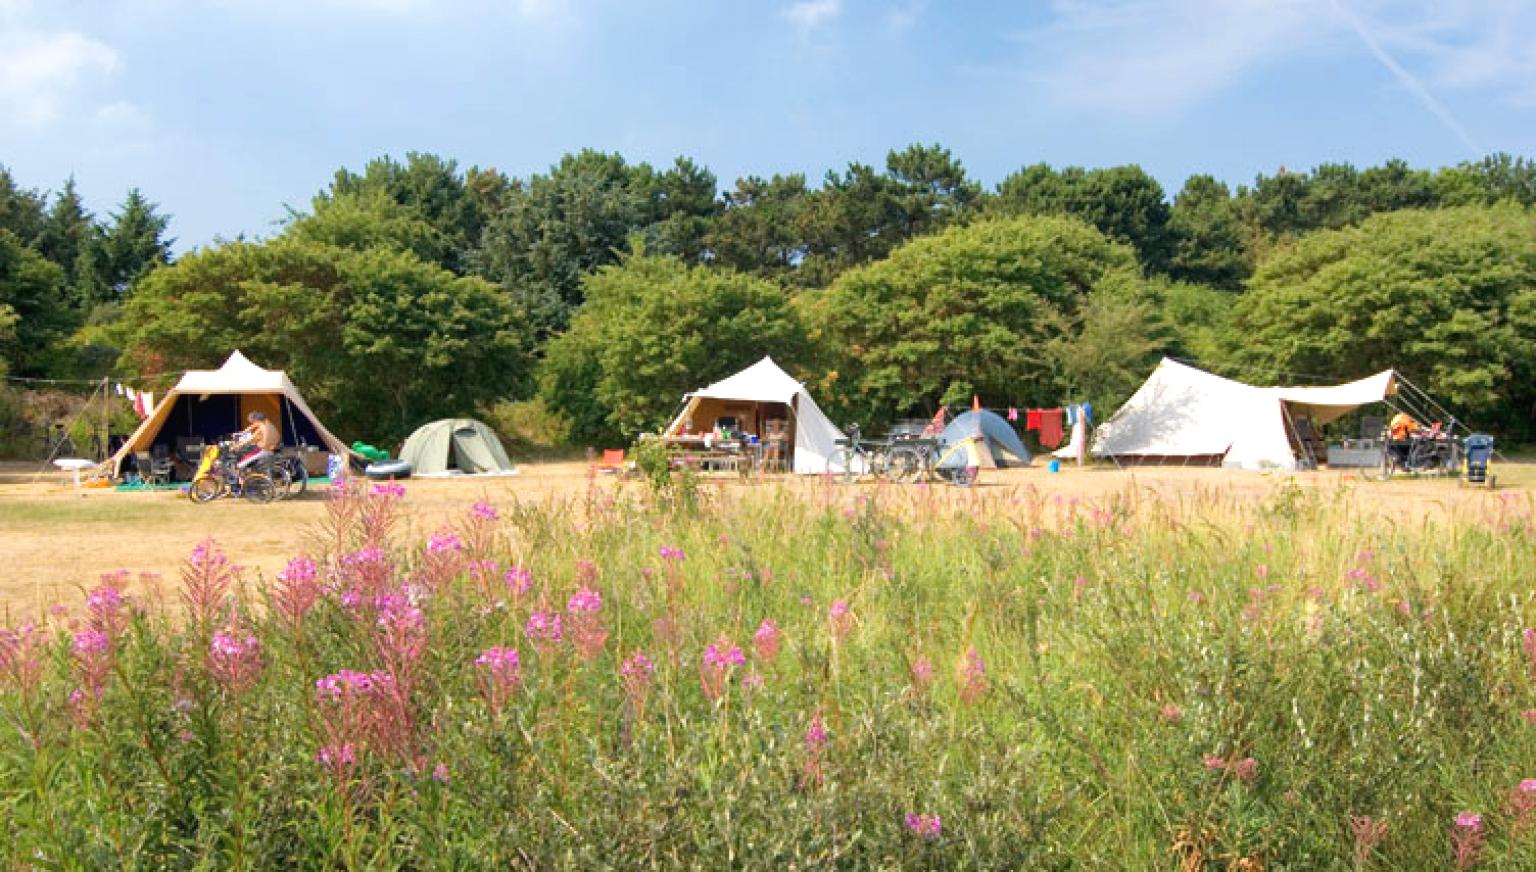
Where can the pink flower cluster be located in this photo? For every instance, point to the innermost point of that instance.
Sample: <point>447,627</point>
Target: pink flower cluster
<point>21,657</point>
<point>389,490</point>
<point>234,661</point>
<point>369,710</point>
<point>518,581</point>
<point>720,657</point>
<point>636,673</point>
<point>973,677</point>
<point>766,640</point>
<point>586,624</point>
<point>816,741</point>
<point>1467,839</point>
<point>544,629</point>
<point>1245,770</point>
<point>499,672</point>
<point>841,620</point>
<point>672,555</point>
<point>924,826</point>
<point>484,512</point>
<point>297,591</point>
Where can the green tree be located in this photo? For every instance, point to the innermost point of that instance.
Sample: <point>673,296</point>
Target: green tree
<point>1494,179</point>
<point>1123,202</point>
<point>34,294</point>
<point>1207,236</point>
<point>426,189</point>
<point>66,231</point>
<point>654,328</point>
<point>984,308</point>
<point>1440,295</point>
<point>22,210</point>
<point>379,338</point>
<point>759,229</point>
<point>127,248</point>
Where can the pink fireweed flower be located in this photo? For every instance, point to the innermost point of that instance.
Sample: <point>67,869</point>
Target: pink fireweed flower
<point>719,658</point>
<point>483,570</point>
<point>88,643</point>
<point>440,773</point>
<point>498,672</point>
<point>924,826</point>
<point>518,581</point>
<point>544,629</point>
<point>586,573</point>
<point>585,600</point>
<point>922,673</point>
<point>444,542</point>
<point>1171,713</point>
<point>1214,762</point>
<point>753,680</point>
<point>1467,838</point>
<point>816,734</point>
<point>1246,770</point>
<point>389,490</point>
<point>1262,570</point>
<point>1522,802</point>
<point>105,605</point>
<point>816,742</point>
<point>483,511</point>
<point>1528,643</point>
<point>672,555</point>
<point>297,590</point>
<point>21,657</point>
<point>1368,834</point>
<point>1529,716</point>
<point>338,759</point>
<point>766,641</point>
<point>841,620</point>
<point>973,677</point>
<point>234,661</point>
<point>636,673</point>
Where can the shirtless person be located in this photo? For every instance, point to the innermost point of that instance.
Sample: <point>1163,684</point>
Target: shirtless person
<point>264,435</point>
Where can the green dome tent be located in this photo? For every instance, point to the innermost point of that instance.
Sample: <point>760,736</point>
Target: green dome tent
<point>461,444</point>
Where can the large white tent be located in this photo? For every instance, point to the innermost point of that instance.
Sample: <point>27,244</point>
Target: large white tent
<point>1184,414</point>
<point>206,404</point>
<point>814,435</point>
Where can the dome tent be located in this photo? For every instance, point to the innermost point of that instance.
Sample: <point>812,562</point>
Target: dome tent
<point>1004,449</point>
<point>461,444</point>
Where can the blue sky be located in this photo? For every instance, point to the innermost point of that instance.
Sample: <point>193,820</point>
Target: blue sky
<point>225,110</point>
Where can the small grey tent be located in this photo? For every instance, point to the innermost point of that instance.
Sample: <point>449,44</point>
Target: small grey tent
<point>1003,446</point>
<point>456,444</point>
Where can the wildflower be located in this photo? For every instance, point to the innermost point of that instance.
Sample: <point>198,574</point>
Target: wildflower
<point>88,643</point>
<point>440,773</point>
<point>1171,713</point>
<point>389,490</point>
<point>841,620</point>
<point>924,826</point>
<point>584,600</point>
<point>816,734</point>
<point>586,573</point>
<point>234,662</point>
<point>338,759</point>
<point>1528,642</point>
<point>815,743</point>
<point>635,673</point>
<point>1467,839</point>
<point>1262,570</point>
<point>483,511</point>
<point>518,580</point>
<point>922,673</point>
<point>1195,597</point>
<point>105,604</point>
<point>753,680</point>
<point>1522,802</point>
<point>499,672</point>
<point>1214,762</point>
<point>766,640</point>
<point>21,657</point>
<point>544,628</point>
<point>483,570</point>
<point>672,555</point>
<point>973,677</point>
<point>297,590</point>
<point>444,542</point>
<point>1368,834</point>
<point>1246,770</point>
<point>719,658</point>
<point>1530,716</point>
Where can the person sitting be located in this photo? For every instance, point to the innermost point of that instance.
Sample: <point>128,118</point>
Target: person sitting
<point>1402,426</point>
<point>264,435</point>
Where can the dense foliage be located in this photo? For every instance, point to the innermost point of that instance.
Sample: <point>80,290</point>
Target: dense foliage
<point>1248,280</point>
<point>916,680</point>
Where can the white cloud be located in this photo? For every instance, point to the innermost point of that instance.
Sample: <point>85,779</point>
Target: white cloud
<point>808,15</point>
<point>39,71</point>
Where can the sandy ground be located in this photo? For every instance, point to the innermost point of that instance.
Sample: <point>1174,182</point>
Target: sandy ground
<point>58,541</point>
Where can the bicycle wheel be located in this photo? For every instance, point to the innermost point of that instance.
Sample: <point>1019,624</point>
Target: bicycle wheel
<point>843,463</point>
<point>258,488</point>
<point>282,480</point>
<point>206,489</point>
<point>904,465</point>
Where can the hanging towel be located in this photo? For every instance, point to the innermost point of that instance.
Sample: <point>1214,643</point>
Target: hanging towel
<point>138,406</point>
<point>1013,414</point>
<point>1071,415</point>
<point>1031,419</point>
<point>1050,427</point>
<point>119,388</point>
<point>149,402</point>
<point>1088,412</point>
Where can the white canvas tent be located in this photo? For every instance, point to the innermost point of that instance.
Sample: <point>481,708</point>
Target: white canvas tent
<point>1184,414</point>
<point>208,403</point>
<point>813,436</point>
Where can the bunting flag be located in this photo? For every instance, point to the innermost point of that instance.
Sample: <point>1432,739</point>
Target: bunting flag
<point>138,406</point>
<point>1013,414</point>
<point>149,402</point>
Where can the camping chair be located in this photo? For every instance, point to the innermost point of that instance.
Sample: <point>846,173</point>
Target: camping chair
<point>156,466</point>
<point>612,462</point>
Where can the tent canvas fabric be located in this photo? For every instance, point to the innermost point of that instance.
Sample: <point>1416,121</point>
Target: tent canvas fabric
<point>213,403</point>
<point>455,443</point>
<point>1003,446</point>
<point>765,382</point>
<point>1188,414</point>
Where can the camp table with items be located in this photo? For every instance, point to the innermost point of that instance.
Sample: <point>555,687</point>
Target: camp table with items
<point>718,455</point>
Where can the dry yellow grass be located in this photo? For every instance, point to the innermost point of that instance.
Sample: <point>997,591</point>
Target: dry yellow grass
<point>57,541</point>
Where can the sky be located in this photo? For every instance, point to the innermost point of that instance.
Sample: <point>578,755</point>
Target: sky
<point>225,112</point>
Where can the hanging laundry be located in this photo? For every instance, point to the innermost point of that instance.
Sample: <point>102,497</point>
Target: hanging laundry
<point>1013,414</point>
<point>138,406</point>
<point>936,425</point>
<point>1071,412</point>
<point>1050,427</point>
<point>149,402</point>
<point>119,388</point>
<point>1088,412</point>
<point>1032,419</point>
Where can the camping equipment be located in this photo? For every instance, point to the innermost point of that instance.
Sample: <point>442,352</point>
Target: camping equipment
<point>755,396</point>
<point>1000,445</point>
<point>456,445</point>
<point>1478,455</point>
<point>388,470</point>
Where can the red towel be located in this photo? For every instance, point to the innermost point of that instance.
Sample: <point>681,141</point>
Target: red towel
<point>1050,427</point>
<point>1031,419</point>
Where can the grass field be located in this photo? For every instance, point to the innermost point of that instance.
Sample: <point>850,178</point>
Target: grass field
<point>1179,669</point>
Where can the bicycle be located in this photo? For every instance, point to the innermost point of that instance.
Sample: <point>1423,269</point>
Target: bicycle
<point>859,458</point>
<point>920,459</point>
<point>218,475</point>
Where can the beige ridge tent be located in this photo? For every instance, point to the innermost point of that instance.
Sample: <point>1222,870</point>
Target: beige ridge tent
<point>207,404</point>
<point>1186,415</point>
<point>757,395</point>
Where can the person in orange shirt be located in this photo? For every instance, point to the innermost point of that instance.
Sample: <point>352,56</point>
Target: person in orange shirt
<point>1402,426</point>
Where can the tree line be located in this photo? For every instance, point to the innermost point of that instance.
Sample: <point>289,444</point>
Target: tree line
<point>592,295</point>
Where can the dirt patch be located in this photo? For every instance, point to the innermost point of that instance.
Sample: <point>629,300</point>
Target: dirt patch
<point>59,541</point>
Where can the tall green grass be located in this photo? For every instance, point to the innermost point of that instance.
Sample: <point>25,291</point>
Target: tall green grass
<point>1129,684</point>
